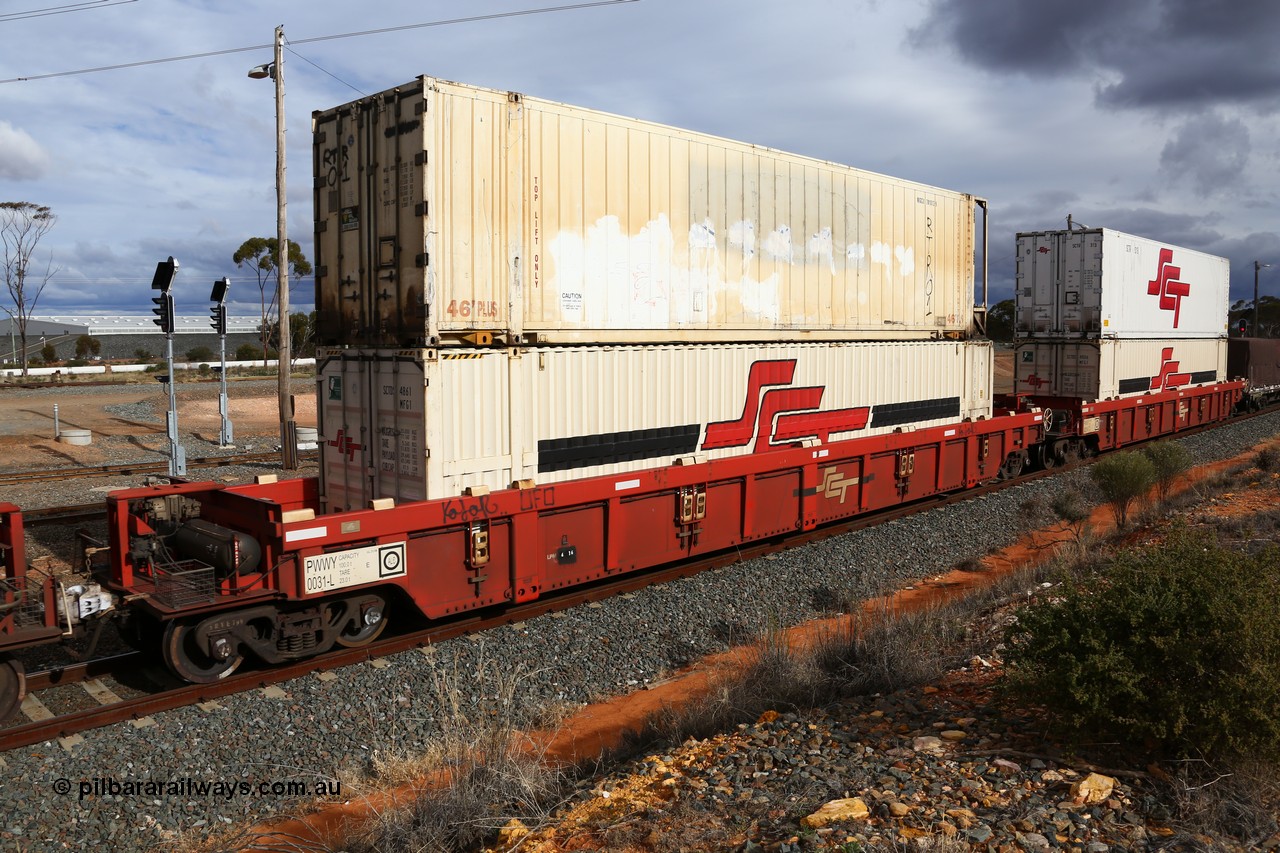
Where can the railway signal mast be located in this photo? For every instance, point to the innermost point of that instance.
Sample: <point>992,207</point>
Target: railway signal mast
<point>218,316</point>
<point>166,271</point>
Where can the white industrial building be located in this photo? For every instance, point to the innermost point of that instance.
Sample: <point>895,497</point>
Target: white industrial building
<point>75,325</point>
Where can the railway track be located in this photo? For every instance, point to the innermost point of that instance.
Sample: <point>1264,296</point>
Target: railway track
<point>104,680</point>
<point>132,468</point>
<point>103,705</point>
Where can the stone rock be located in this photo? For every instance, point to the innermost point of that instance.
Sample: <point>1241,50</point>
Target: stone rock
<point>851,808</point>
<point>952,735</point>
<point>899,809</point>
<point>1007,766</point>
<point>1094,788</point>
<point>927,743</point>
<point>1033,842</point>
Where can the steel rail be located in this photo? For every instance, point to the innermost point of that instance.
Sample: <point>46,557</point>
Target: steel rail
<point>129,468</point>
<point>188,694</point>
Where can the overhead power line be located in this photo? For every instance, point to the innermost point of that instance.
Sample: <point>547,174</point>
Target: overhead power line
<point>86,6</point>
<point>295,42</point>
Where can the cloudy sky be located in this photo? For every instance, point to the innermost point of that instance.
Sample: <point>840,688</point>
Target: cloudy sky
<point>1157,117</point>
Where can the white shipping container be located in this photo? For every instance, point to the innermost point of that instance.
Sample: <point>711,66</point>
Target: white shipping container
<point>415,424</point>
<point>1100,282</point>
<point>1110,368</point>
<point>446,211</point>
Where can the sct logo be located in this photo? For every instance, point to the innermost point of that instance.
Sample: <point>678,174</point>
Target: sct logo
<point>1167,285</point>
<point>1168,378</point>
<point>345,445</point>
<point>781,415</point>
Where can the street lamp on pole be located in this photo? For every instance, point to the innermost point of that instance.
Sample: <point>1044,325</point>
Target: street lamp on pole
<point>288,429</point>
<point>1256,268</point>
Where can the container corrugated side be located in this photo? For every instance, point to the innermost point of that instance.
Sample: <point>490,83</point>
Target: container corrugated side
<point>1101,282</point>
<point>444,209</point>
<point>415,424</point>
<point>1111,368</point>
<point>1254,359</point>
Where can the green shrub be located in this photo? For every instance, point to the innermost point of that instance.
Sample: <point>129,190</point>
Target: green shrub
<point>1168,460</point>
<point>1122,479</point>
<point>87,345</point>
<point>1176,648</point>
<point>200,354</point>
<point>248,352</point>
<point>1268,459</point>
<point>48,353</point>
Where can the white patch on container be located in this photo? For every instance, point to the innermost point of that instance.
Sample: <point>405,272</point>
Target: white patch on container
<point>882,252</point>
<point>856,255</point>
<point>306,533</point>
<point>820,454</point>
<point>624,485</point>
<point>778,244</point>
<point>702,235</point>
<point>742,235</point>
<point>948,433</point>
<point>622,279</point>
<point>906,260</point>
<point>758,298</point>
<point>340,569</point>
<point>820,247</point>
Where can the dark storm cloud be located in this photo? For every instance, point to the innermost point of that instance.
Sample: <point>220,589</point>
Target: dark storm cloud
<point>1209,151</point>
<point>1165,54</point>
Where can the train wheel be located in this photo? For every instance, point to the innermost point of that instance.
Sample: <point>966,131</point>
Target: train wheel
<point>1048,457</point>
<point>191,660</point>
<point>1012,466</point>
<point>13,686</point>
<point>370,622</point>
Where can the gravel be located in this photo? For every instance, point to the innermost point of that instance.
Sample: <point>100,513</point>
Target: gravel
<point>322,730</point>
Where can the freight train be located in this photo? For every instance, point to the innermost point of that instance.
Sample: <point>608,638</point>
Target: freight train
<point>560,345</point>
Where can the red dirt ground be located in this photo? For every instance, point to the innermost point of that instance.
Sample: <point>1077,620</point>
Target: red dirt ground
<point>598,728</point>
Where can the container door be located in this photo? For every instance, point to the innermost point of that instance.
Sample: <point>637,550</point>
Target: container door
<point>398,430</point>
<point>1038,283</point>
<point>1080,282</point>
<point>344,402</point>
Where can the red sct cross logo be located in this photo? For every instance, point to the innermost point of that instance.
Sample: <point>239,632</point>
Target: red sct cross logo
<point>781,415</point>
<point>345,445</point>
<point>1167,286</point>
<point>1169,378</point>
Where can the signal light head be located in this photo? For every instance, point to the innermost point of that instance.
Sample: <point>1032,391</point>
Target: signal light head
<point>165,273</point>
<point>163,311</point>
<point>219,293</point>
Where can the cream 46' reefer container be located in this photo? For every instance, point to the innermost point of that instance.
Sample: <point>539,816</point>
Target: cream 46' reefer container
<point>447,213</point>
<point>1109,368</point>
<point>429,423</point>
<point>1104,283</point>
